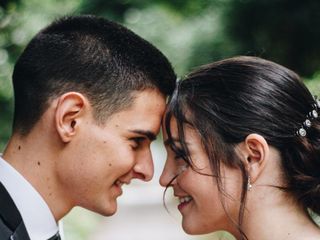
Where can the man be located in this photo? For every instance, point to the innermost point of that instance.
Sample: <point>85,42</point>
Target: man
<point>89,98</point>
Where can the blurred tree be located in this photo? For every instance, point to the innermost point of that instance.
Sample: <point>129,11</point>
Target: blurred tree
<point>286,31</point>
<point>189,32</point>
<point>117,9</point>
<point>5,3</point>
<point>19,21</point>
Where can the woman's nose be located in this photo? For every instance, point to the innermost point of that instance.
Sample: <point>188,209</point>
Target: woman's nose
<point>168,173</point>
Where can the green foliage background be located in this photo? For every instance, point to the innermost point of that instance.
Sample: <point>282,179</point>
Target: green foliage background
<point>189,32</point>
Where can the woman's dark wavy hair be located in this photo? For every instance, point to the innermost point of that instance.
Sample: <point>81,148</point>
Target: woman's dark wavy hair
<point>225,101</point>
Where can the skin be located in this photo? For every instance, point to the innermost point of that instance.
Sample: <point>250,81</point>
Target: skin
<point>81,163</point>
<point>204,213</point>
<point>269,214</point>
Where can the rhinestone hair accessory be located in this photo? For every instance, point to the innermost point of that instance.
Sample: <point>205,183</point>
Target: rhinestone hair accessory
<point>313,114</point>
<point>249,185</point>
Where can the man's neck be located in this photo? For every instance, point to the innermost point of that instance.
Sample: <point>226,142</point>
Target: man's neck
<point>36,163</point>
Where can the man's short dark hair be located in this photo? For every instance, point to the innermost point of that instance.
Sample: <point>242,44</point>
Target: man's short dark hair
<point>98,58</point>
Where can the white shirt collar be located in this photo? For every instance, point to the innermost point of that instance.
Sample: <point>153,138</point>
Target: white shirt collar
<point>34,211</point>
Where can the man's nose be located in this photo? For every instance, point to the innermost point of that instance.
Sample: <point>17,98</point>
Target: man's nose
<point>144,168</point>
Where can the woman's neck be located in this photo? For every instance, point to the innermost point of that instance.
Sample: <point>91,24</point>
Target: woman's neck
<point>275,216</point>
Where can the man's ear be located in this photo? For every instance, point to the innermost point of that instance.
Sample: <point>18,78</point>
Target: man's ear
<point>256,152</point>
<point>69,110</point>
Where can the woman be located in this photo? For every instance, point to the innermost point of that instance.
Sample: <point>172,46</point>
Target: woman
<point>243,143</point>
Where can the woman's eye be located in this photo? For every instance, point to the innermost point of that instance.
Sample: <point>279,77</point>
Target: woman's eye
<point>181,160</point>
<point>179,157</point>
<point>179,154</point>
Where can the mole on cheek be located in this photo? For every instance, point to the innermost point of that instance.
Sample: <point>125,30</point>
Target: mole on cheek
<point>39,163</point>
<point>110,164</point>
<point>19,147</point>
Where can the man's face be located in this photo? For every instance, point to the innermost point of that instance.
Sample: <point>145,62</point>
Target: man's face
<point>105,157</point>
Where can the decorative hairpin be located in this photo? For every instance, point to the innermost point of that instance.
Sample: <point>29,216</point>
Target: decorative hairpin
<point>313,114</point>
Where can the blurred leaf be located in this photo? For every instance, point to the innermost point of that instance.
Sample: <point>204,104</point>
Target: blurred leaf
<point>285,31</point>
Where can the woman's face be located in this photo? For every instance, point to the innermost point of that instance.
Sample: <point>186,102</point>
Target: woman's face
<point>199,198</point>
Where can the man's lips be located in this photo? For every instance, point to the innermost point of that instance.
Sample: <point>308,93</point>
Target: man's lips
<point>118,185</point>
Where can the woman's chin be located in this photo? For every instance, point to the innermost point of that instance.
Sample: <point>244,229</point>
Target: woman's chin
<point>193,229</point>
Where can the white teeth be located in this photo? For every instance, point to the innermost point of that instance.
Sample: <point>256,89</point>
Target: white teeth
<point>185,199</point>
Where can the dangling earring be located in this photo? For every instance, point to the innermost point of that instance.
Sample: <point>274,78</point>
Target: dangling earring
<point>249,186</point>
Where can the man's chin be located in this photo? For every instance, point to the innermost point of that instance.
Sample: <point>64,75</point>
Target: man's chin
<point>109,210</point>
<point>106,210</point>
<point>108,214</point>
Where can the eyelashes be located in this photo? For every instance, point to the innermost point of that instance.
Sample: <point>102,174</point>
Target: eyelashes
<point>179,156</point>
<point>137,142</point>
<point>182,160</point>
<point>179,152</point>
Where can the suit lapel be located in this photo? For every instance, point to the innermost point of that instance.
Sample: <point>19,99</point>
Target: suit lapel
<point>20,233</point>
<point>5,232</point>
<point>10,217</point>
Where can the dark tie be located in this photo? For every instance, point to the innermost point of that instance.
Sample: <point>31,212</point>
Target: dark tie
<point>55,237</point>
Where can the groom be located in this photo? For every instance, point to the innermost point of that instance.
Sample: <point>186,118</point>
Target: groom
<point>89,98</point>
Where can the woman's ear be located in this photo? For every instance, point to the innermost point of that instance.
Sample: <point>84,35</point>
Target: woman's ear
<point>69,112</point>
<point>256,152</point>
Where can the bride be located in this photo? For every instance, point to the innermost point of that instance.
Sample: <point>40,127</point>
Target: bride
<point>243,143</point>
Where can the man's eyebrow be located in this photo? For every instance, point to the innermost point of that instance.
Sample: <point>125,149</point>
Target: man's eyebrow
<point>150,135</point>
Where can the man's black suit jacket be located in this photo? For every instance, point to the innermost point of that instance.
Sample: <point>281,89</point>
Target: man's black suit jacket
<point>11,224</point>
